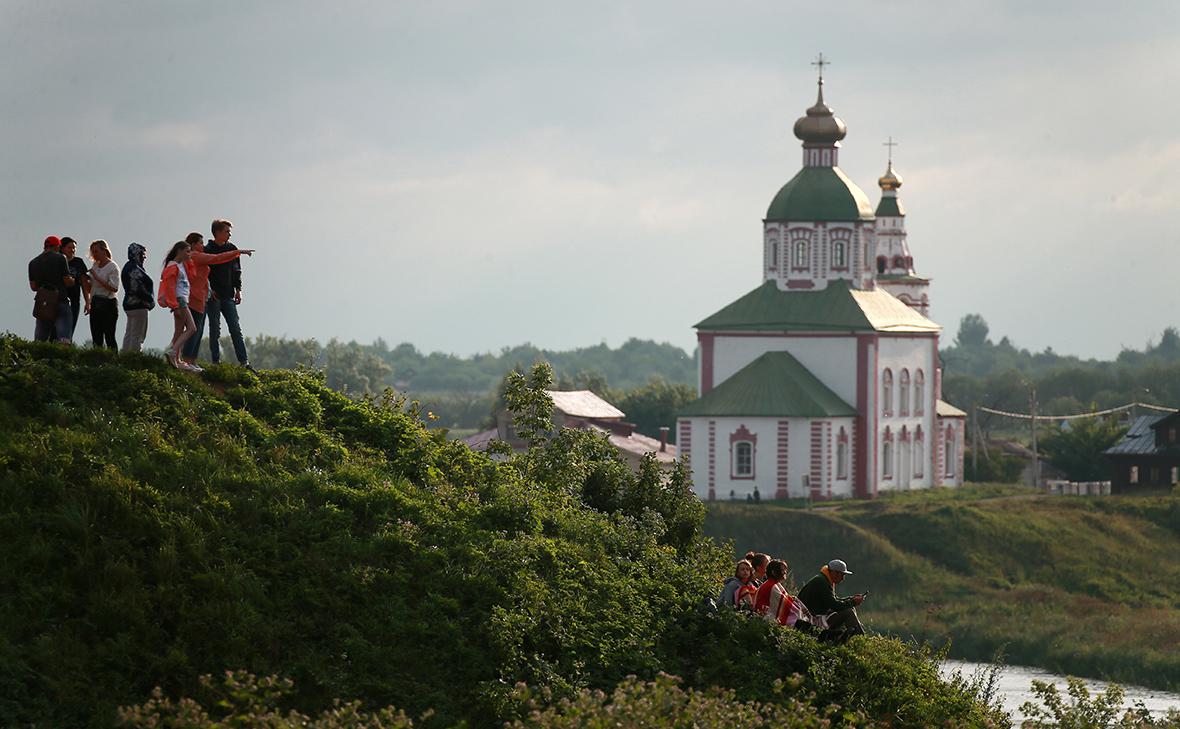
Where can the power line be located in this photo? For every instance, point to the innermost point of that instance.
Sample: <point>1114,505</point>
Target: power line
<point>1077,416</point>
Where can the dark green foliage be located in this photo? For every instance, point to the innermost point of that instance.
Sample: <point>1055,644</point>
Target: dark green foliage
<point>656,405</point>
<point>1077,449</point>
<point>994,467</point>
<point>157,526</point>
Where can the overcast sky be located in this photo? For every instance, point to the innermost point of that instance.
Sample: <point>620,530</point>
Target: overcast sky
<point>466,176</point>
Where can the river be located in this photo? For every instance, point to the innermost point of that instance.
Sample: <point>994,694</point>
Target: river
<point>1015,687</point>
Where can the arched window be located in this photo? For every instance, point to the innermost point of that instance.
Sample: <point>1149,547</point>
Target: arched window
<point>919,393</point>
<point>887,455</point>
<point>842,455</point>
<point>867,261</point>
<point>839,255</point>
<point>741,453</point>
<point>772,250</point>
<point>950,451</point>
<point>800,254</point>
<point>887,393</point>
<point>919,454</point>
<point>903,393</point>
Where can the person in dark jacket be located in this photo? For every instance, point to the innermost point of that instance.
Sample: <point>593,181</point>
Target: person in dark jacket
<point>837,615</point>
<point>50,273</point>
<point>80,291</point>
<point>225,293</point>
<point>139,297</point>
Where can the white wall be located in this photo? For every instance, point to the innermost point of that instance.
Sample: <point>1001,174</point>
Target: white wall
<point>896,354</point>
<point>831,359</point>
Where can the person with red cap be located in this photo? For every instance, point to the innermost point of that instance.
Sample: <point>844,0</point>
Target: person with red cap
<point>49,277</point>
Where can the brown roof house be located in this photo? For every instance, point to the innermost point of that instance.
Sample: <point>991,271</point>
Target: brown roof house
<point>583,410</point>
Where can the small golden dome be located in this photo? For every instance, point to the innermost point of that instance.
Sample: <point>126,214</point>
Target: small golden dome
<point>890,180</point>
<point>820,127</point>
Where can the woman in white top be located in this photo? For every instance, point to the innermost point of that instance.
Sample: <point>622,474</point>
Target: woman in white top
<point>104,285</point>
<point>174,291</point>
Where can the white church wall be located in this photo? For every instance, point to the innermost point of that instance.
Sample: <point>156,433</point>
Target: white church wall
<point>831,359</point>
<point>907,466</point>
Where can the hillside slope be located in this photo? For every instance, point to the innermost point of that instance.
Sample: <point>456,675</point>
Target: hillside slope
<point>1075,585</point>
<point>157,526</point>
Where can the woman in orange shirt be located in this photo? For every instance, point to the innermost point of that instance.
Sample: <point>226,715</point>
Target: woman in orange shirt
<point>197,267</point>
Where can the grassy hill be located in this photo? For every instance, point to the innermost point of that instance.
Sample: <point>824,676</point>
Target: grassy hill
<point>157,526</point>
<point>1088,586</point>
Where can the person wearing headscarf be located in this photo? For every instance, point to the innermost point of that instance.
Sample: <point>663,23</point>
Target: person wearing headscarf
<point>139,297</point>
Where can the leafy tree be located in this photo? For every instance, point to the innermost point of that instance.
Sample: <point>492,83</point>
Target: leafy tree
<point>973,331</point>
<point>1077,449</point>
<point>656,404</point>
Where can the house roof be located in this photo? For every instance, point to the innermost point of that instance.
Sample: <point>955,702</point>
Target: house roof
<point>639,444</point>
<point>944,409</point>
<point>1140,438</point>
<point>774,385</point>
<point>583,404</point>
<point>838,307</point>
<point>820,194</point>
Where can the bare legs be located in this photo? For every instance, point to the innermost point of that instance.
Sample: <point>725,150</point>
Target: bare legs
<point>182,320</point>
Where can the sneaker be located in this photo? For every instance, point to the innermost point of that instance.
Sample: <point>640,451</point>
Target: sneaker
<point>250,368</point>
<point>168,357</point>
<point>186,367</point>
<point>196,367</point>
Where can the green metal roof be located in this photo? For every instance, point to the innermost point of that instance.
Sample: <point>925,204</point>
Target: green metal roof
<point>838,307</point>
<point>901,277</point>
<point>890,207</point>
<point>774,385</point>
<point>821,194</point>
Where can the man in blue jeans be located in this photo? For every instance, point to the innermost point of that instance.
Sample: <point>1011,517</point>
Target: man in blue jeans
<point>50,272</point>
<point>225,293</point>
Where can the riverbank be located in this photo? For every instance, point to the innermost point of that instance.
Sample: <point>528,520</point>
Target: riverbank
<point>1013,688</point>
<point>1080,586</point>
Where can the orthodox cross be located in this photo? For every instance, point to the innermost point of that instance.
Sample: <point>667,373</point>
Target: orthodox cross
<point>819,63</point>
<point>890,144</point>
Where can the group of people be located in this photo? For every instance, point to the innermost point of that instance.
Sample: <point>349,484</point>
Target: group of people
<point>200,281</point>
<point>758,585</point>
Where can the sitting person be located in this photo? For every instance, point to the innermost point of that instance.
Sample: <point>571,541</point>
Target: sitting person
<point>740,588</point>
<point>758,561</point>
<point>837,615</point>
<point>773,602</point>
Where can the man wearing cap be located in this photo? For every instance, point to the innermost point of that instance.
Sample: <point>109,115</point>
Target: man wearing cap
<point>836,614</point>
<point>51,273</point>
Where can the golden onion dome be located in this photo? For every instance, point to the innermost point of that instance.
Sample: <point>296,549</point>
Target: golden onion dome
<point>821,126</point>
<point>890,180</point>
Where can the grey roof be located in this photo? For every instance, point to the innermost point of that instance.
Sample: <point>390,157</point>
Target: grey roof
<point>1140,438</point>
<point>584,404</point>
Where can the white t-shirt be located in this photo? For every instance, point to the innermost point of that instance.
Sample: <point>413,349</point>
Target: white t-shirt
<point>108,274</point>
<point>182,286</point>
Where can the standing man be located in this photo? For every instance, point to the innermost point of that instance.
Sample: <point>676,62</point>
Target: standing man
<point>81,289</point>
<point>836,614</point>
<point>139,297</point>
<point>49,277</point>
<point>225,293</point>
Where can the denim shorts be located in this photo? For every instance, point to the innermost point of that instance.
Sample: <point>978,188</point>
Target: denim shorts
<point>181,303</point>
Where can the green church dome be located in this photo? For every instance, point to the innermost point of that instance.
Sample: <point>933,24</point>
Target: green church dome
<point>820,194</point>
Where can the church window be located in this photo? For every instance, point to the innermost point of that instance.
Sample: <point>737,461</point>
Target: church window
<point>887,460</point>
<point>887,393</point>
<point>903,393</point>
<point>772,250</point>
<point>839,255</point>
<point>950,451</point>
<point>919,454</point>
<point>898,262</point>
<point>919,393</point>
<point>741,453</point>
<point>801,259</point>
<point>882,262</point>
<point>866,259</point>
<point>842,455</point>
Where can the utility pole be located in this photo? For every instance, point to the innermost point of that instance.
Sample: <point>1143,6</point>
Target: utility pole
<point>1036,458</point>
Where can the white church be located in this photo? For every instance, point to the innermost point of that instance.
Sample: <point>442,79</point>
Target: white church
<point>824,381</point>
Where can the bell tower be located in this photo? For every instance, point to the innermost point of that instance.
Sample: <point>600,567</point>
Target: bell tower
<point>894,266</point>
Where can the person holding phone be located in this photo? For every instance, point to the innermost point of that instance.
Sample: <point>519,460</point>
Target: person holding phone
<point>837,615</point>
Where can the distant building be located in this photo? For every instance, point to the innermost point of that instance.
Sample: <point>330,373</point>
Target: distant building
<point>1148,456</point>
<point>583,410</point>
<point>824,381</point>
